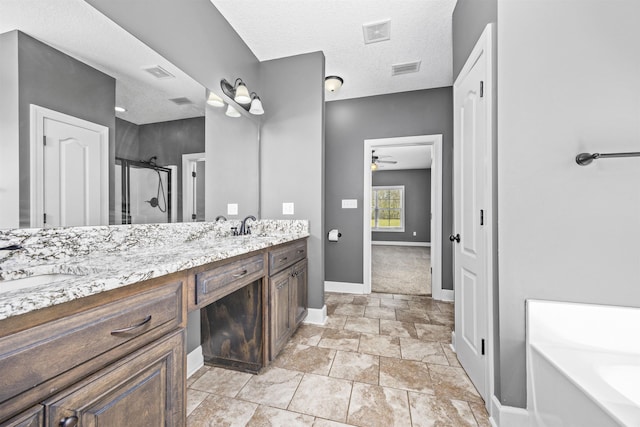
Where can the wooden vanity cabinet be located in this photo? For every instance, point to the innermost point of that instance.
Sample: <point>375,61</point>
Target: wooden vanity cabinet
<point>120,351</point>
<point>144,388</point>
<point>287,294</point>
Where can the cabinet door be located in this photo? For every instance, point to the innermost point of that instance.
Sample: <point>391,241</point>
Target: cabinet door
<point>280,321</point>
<point>299,288</point>
<point>145,388</point>
<point>33,417</point>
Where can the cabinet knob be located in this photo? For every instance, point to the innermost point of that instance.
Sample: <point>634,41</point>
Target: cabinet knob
<point>69,422</point>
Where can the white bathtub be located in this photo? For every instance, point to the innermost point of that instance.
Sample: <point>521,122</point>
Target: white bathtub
<point>583,364</point>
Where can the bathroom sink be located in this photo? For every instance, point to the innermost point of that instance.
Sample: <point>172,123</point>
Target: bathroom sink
<point>31,281</point>
<point>625,379</point>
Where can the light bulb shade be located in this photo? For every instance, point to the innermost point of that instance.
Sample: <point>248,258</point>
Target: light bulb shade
<point>256,107</point>
<point>232,112</point>
<point>333,83</point>
<point>242,94</point>
<point>214,100</point>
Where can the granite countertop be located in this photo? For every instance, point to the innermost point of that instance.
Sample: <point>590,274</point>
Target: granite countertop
<point>108,257</point>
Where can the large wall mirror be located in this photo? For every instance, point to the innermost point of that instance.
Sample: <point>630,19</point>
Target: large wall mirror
<point>67,68</point>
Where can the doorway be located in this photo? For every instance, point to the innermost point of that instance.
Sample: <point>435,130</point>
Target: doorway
<point>435,142</point>
<point>193,187</point>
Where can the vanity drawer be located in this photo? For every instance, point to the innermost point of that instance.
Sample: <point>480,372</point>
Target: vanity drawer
<point>213,284</point>
<point>286,256</point>
<point>33,356</point>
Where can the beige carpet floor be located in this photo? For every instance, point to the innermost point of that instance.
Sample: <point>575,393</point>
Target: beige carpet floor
<point>401,270</point>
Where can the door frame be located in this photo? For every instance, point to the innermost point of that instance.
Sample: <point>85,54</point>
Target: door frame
<point>435,141</point>
<point>484,45</point>
<point>36,160</point>
<point>187,186</point>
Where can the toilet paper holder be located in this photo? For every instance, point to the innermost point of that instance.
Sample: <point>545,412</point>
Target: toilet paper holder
<point>334,235</point>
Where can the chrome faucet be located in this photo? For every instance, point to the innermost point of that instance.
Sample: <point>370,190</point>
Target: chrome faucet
<point>244,228</point>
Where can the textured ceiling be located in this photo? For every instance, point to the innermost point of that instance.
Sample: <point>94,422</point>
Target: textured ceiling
<point>407,157</point>
<point>420,30</point>
<point>77,29</point>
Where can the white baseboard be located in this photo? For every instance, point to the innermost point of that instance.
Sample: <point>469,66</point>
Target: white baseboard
<point>385,243</point>
<point>453,341</point>
<point>443,295</point>
<point>507,416</point>
<point>316,316</point>
<point>195,361</point>
<point>344,287</point>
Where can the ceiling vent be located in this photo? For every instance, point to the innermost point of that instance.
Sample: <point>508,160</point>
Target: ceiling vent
<point>377,31</point>
<point>406,68</point>
<point>181,101</point>
<point>159,73</point>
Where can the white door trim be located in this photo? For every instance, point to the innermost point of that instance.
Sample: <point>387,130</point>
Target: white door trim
<point>436,206</point>
<point>187,186</point>
<point>36,161</point>
<point>485,46</point>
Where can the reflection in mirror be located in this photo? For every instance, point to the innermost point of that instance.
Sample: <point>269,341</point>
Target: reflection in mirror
<point>69,58</point>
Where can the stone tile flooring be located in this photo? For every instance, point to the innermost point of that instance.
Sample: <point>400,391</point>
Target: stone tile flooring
<point>381,360</point>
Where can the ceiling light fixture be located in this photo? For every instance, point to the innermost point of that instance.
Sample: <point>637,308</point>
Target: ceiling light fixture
<point>239,93</point>
<point>120,109</point>
<point>232,112</point>
<point>333,83</point>
<point>256,105</point>
<point>214,100</point>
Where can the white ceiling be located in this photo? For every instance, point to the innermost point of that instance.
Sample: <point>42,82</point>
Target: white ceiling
<point>77,29</point>
<point>407,157</point>
<point>420,30</point>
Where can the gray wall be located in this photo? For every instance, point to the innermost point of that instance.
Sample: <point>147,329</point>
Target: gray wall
<point>469,19</point>
<point>127,140</point>
<point>417,204</point>
<point>9,133</point>
<point>169,141</point>
<point>292,152</point>
<point>349,123</point>
<point>51,79</point>
<point>579,242</point>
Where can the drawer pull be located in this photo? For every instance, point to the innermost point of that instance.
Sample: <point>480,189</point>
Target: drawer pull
<point>237,276</point>
<point>283,260</point>
<point>131,328</point>
<point>69,422</point>
<point>281,285</point>
<point>300,251</point>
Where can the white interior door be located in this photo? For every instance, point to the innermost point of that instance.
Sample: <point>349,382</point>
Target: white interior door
<point>471,151</point>
<point>71,171</point>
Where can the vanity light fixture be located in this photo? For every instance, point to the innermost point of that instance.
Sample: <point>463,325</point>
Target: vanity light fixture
<point>232,112</point>
<point>214,100</point>
<point>333,83</point>
<point>374,166</point>
<point>256,105</point>
<point>239,93</point>
<point>120,109</point>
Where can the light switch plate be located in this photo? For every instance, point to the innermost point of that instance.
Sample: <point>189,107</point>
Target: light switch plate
<point>349,203</point>
<point>287,209</point>
<point>232,209</point>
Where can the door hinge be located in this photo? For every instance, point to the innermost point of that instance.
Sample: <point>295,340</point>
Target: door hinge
<point>44,140</point>
<point>193,217</point>
<point>44,218</point>
<point>481,89</point>
<point>193,174</point>
<point>481,216</point>
<point>482,350</point>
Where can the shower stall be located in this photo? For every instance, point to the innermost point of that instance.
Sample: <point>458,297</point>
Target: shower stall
<point>145,191</point>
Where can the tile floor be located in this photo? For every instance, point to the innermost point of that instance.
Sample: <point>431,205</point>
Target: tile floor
<point>381,360</point>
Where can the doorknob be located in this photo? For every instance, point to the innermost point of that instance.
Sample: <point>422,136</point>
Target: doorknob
<point>456,238</point>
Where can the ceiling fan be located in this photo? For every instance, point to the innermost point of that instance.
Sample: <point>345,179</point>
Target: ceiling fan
<point>375,160</point>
